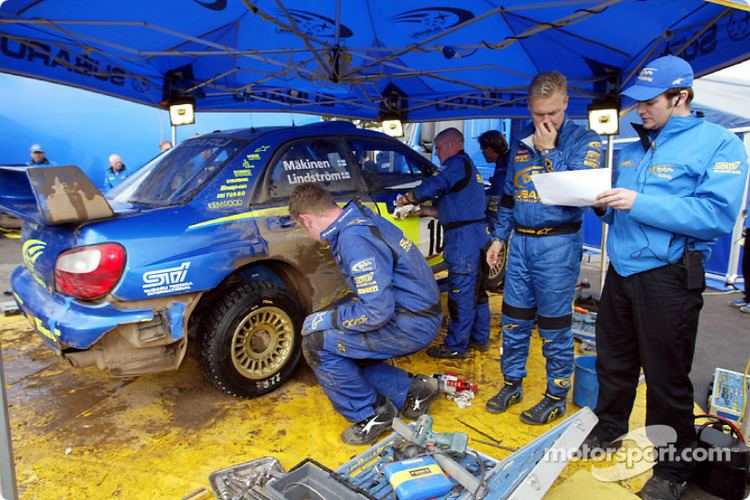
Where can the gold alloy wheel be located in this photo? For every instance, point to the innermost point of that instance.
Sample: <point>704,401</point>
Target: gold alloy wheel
<point>262,342</point>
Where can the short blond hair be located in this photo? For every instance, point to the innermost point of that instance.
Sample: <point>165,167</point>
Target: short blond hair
<point>548,83</point>
<point>310,198</point>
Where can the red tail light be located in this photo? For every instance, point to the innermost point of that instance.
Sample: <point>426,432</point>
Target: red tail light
<point>89,272</point>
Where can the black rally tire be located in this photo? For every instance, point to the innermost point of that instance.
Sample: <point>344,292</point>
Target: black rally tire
<point>249,342</point>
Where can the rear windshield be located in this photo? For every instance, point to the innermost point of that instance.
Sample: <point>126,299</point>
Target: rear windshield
<point>174,177</point>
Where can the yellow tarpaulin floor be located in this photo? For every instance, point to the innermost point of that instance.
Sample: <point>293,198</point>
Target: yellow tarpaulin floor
<point>79,434</point>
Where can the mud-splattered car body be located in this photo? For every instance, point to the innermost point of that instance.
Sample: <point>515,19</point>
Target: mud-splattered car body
<point>199,244</point>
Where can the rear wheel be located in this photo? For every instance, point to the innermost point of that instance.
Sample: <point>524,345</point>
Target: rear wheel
<point>249,342</point>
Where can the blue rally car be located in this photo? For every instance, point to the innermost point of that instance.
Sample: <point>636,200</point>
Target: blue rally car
<point>198,244</point>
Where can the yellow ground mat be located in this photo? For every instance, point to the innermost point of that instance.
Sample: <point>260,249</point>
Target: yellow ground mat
<point>79,434</point>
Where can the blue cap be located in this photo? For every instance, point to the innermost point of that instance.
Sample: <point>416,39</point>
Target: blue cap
<point>662,74</point>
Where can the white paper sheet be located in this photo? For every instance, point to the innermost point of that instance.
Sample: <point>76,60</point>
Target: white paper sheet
<point>575,188</point>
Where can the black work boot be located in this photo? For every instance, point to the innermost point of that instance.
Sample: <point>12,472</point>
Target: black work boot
<point>510,394</point>
<point>369,429</point>
<point>423,390</point>
<point>545,411</point>
<point>658,488</point>
<point>593,447</point>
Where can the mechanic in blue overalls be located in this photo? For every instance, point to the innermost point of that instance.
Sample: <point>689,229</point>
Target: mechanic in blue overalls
<point>494,148</point>
<point>394,310</point>
<point>545,252</point>
<point>458,190</point>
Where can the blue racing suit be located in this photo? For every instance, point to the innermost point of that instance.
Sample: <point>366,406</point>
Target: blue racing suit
<point>395,311</point>
<point>495,191</point>
<point>544,258</point>
<point>459,190</point>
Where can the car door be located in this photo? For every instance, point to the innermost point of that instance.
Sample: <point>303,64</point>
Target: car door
<point>311,159</point>
<point>389,168</point>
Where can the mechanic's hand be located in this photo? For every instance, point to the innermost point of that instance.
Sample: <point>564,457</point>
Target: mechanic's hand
<point>617,198</point>
<point>493,253</point>
<point>545,135</point>
<point>401,201</point>
<point>428,212</point>
<point>318,321</point>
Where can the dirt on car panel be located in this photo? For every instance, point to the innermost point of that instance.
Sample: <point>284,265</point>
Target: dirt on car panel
<point>68,194</point>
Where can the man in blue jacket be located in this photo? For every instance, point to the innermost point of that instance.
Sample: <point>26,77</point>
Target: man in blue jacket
<point>676,191</point>
<point>394,310</point>
<point>545,255</point>
<point>458,190</point>
<point>494,148</point>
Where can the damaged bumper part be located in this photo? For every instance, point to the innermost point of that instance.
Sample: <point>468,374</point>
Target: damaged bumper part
<point>147,337</point>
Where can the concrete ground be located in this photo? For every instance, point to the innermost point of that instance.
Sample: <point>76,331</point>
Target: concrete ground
<point>80,434</point>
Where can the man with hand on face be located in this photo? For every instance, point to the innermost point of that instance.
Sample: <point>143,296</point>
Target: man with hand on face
<point>458,190</point>
<point>675,191</point>
<point>545,252</point>
<point>394,310</point>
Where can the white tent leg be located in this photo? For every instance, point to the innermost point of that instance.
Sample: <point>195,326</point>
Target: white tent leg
<point>604,261</point>
<point>7,468</point>
<point>736,247</point>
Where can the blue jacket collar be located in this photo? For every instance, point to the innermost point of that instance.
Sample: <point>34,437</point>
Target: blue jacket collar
<point>352,210</point>
<point>674,125</point>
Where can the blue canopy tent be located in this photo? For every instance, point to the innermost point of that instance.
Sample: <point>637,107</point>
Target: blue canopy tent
<point>360,58</point>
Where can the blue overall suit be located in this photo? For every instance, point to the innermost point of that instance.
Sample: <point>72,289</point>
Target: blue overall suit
<point>544,258</point>
<point>395,311</point>
<point>495,191</point>
<point>459,190</point>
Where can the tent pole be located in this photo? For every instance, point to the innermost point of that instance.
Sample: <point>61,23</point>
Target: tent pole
<point>735,242</point>
<point>174,136</point>
<point>7,468</point>
<point>604,261</point>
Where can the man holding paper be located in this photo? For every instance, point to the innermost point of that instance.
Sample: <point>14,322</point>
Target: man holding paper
<point>545,254</point>
<point>676,190</point>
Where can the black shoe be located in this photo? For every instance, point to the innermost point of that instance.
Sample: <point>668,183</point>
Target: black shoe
<point>368,430</point>
<point>442,351</point>
<point>545,411</point>
<point>480,347</point>
<point>509,395</point>
<point>592,447</point>
<point>423,390</point>
<point>658,488</point>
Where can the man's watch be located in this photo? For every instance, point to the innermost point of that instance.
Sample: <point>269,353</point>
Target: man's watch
<point>546,151</point>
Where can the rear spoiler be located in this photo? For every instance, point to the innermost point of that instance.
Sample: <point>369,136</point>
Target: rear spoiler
<point>51,195</point>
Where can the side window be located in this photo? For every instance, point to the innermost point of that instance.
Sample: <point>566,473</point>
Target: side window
<point>311,160</point>
<point>385,166</point>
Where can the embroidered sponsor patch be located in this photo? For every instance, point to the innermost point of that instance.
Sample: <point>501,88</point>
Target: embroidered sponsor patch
<point>725,167</point>
<point>354,322</point>
<point>367,289</point>
<point>363,266</point>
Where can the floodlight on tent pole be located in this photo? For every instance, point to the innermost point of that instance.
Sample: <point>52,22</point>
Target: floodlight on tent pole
<point>182,111</point>
<point>604,118</point>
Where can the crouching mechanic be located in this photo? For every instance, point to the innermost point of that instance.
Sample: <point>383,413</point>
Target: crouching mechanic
<point>395,310</point>
<point>545,252</point>
<point>459,192</point>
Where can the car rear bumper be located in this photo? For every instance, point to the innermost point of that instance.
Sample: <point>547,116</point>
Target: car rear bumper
<point>62,321</point>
